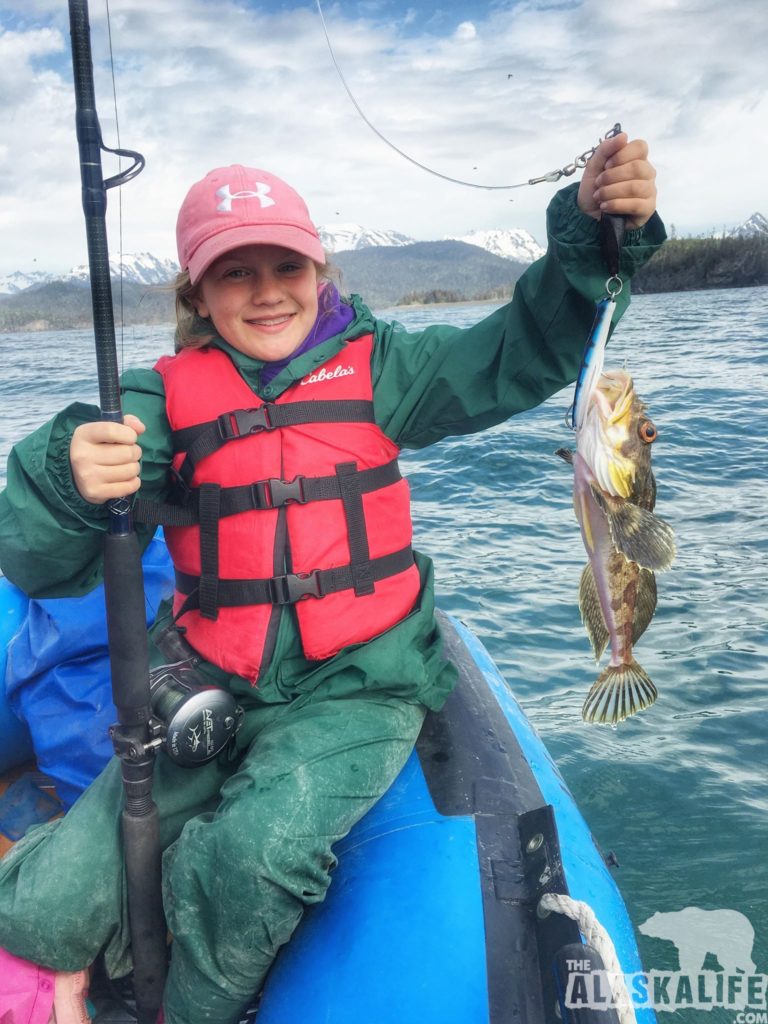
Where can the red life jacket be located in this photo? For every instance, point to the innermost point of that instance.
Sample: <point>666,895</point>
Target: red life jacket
<point>298,502</point>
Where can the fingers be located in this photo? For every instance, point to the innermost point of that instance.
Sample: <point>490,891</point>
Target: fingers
<point>623,153</point>
<point>107,432</point>
<point>628,189</point>
<point>129,420</point>
<point>106,460</point>
<point>619,179</point>
<point>631,170</point>
<point>98,484</point>
<point>625,179</point>
<point>605,152</point>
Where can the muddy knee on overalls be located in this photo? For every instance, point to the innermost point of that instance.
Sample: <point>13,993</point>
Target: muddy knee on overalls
<point>231,868</point>
<point>235,890</point>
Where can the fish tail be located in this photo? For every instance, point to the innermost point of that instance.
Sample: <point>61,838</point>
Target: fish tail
<point>618,692</point>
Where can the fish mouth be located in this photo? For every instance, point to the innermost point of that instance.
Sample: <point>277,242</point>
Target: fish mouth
<point>614,395</point>
<point>608,429</point>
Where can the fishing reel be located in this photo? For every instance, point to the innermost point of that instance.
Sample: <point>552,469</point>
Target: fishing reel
<point>193,721</point>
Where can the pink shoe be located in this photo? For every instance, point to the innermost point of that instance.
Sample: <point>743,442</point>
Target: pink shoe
<point>71,991</point>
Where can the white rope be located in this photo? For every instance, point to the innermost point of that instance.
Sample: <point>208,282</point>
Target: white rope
<point>601,942</point>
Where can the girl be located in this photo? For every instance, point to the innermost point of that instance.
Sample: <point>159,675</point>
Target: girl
<point>297,589</point>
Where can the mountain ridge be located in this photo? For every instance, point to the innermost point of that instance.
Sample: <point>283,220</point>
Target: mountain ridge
<point>137,268</point>
<point>145,268</point>
<point>514,244</point>
<point>383,275</point>
<point>509,243</point>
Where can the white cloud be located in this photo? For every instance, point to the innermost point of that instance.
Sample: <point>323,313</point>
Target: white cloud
<point>466,30</point>
<point>513,93</point>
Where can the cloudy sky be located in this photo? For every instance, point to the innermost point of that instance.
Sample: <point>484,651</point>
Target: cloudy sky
<point>493,91</point>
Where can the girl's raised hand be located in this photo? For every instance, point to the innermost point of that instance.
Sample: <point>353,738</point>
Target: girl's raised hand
<point>619,179</point>
<point>106,459</point>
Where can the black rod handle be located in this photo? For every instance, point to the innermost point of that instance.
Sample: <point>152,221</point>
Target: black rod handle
<point>612,231</point>
<point>127,624</point>
<point>141,838</point>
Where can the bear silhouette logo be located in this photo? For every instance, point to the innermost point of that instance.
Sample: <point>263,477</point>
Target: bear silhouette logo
<point>725,934</point>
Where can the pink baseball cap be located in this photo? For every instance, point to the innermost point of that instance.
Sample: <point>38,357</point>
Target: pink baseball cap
<point>234,206</point>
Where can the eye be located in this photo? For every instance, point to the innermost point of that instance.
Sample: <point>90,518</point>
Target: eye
<point>235,273</point>
<point>647,431</point>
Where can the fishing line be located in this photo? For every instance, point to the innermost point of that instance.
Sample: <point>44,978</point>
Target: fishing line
<point>552,176</point>
<point>119,191</point>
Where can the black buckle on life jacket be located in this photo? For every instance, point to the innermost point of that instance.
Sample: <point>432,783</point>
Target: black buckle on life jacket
<point>293,587</point>
<point>273,493</point>
<point>242,422</point>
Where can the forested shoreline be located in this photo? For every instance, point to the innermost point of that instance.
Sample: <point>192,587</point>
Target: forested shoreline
<point>693,264</point>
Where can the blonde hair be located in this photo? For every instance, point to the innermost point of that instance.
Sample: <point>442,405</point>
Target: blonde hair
<point>194,331</point>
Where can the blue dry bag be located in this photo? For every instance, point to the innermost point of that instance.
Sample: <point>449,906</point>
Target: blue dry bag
<point>58,681</point>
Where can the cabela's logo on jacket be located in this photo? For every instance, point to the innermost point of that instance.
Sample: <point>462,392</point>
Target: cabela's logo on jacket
<point>323,374</point>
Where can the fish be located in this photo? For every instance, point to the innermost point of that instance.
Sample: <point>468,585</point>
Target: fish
<point>614,496</point>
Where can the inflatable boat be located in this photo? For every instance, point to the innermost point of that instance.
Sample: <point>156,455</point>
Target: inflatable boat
<point>459,899</point>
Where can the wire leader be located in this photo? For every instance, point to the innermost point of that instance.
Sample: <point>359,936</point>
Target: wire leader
<point>552,176</point>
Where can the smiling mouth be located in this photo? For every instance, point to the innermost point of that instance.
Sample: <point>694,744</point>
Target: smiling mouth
<point>271,321</point>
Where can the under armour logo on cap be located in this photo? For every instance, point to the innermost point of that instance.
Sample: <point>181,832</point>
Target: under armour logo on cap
<point>239,206</point>
<point>226,196</point>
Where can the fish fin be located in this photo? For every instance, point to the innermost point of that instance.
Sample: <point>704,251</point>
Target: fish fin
<point>618,692</point>
<point>645,603</point>
<point>565,454</point>
<point>591,612</point>
<point>637,533</point>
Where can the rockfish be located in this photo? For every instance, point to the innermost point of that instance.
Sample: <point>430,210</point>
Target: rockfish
<point>613,496</point>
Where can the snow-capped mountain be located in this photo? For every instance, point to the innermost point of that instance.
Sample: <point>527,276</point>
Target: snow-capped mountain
<point>756,225</point>
<point>511,244</point>
<point>19,281</point>
<point>343,237</point>
<point>138,268</point>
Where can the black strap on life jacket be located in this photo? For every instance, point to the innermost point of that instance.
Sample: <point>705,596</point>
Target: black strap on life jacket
<point>360,555</point>
<point>292,587</point>
<point>209,549</point>
<point>203,439</point>
<point>261,494</point>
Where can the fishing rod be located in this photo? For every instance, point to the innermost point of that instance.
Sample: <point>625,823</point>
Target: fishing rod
<point>123,577</point>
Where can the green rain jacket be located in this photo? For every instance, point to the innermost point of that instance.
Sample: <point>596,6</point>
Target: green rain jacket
<point>428,385</point>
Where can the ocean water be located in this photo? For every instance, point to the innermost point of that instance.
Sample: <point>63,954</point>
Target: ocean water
<point>680,792</point>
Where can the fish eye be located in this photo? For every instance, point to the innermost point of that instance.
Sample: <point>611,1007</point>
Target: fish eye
<point>647,432</point>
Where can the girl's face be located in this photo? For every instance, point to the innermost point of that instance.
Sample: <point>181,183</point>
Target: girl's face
<point>262,299</point>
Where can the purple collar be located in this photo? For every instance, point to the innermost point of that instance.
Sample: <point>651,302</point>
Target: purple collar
<point>333,317</point>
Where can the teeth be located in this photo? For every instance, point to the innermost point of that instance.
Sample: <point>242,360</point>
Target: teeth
<point>272,321</point>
